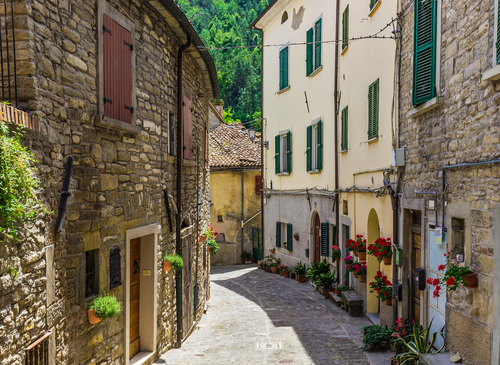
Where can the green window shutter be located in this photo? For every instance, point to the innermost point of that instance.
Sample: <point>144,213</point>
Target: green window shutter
<point>498,34</point>
<point>281,70</point>
<point>325,239</point>
<point>345,28</point>
<point>373,110</point>
<point>309,52</point>
<point>277,167</point>
<point>278,234</point>
<point>309,148</point>
<point>374,2</point>
<point>319,150</point>
<point>317,44</point>
<point>289,238</point>
<point>289,152</point>
<point>424,55</point>
<point>345,121</point>
<point>284,68</point>
<point>334,236</point>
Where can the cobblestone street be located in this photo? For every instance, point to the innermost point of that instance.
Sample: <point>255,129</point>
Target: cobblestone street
<point>255,317</point>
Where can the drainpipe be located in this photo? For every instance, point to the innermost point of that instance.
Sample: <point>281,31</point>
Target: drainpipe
<point>180,152</point>
<point>242,209</point>
<point>335,125</point>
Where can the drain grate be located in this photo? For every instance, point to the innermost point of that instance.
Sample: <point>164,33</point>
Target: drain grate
<point>286,361</point>
<point>269,345</point>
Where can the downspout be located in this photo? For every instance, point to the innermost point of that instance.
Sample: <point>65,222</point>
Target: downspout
<point>242,209</point>
<point>335,125</point>
<point>263,124</point>
<point>180,151</point>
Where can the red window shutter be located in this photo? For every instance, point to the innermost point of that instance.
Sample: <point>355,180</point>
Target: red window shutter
<point>117,52</point>
<point>188,129</point>
<point>258,185</point>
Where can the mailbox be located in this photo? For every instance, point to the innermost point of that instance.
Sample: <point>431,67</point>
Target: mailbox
<point>307,252</point>
<point>398,292</point>
<point>419,275</point>
<point>399,257</point>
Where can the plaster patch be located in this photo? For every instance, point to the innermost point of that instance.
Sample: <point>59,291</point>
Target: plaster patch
<point>297,18</point>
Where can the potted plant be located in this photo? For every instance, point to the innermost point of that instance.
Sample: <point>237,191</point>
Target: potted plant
<point>316,269</point>
<point>300,270</point>
<point>357,246</point>
<point>418,343</point>
<point>376,336</point>
<point>336,253</point>
<point>382,250</point>
<point>172,261</point>
<point>359,270</point>
<point>349,260</point>
<point>454,276</point>
<point>295,236</point>
<point>272,249</point>
<point>246,256</point>
<point>274,267</point>
<point>326,280</point>
<point>284,245</point>
<point>211,233</point>
<point>382,287</point>
<point>281,268</point>
<point>339,289</point>
<point>285,271</point>
<point>403,328</point>
<point>102,307</point>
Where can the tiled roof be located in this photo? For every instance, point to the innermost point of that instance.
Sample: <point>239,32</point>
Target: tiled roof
<point>230,146</point>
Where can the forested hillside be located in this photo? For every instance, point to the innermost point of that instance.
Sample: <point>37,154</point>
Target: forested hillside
<point>224,23</point>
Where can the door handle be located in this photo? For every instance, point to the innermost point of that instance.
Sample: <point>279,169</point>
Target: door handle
<point>136,266</point>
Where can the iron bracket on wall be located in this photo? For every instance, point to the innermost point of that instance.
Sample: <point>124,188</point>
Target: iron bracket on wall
<point>109,101</point>
<point>128,45</point>
<point>107,30</point>
<point>64,195</point>
<point>129,108</point>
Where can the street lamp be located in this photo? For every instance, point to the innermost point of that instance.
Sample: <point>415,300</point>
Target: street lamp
<point>251,133</point>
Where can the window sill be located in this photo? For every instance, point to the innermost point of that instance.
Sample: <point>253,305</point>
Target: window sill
<point>317,71</point>
<point>283,90</point>
<point>492,74</point>
<point>344,51</point>
<point>375,7</point>
<point>314,172</point>
<point>190,163</point>
<point>344,151</point>
<point>371,140</point>
<point>142,358</point>
<point>426,107</point>
<point>108,123</point>
<point>284,174</point>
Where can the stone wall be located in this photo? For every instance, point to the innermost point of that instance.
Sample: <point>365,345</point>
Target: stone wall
<point>462,130</point>
<point>116,185</point>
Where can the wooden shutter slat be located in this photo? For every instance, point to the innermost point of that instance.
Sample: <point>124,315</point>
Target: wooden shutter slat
<point>319,150</point>
<point>317,46</point>
<point>309,148</point>
<point>289,239</point>
<point>309,51</point>
<point>285,67</point>
<point>278,234</point>
<point>258,185</point>
<point>370,111</point>
<point>277,162</point>
<point>325,233</point>
<point>289,152</point>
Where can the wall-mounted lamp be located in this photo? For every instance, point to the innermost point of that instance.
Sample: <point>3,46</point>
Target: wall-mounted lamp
<point>251,134</point>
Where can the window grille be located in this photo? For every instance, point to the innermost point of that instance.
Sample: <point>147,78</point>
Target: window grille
<point>91,273</point>
<point>38,352</point>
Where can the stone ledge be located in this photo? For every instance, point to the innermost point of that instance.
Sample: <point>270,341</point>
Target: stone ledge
<point>335,299</point>
<point>108,123</point>
<point>426,107</point>
<point>352,299</point>
<point>492,74</point>
<point>435,359</point>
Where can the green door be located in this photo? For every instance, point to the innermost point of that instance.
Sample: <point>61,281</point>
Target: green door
<point>257,244</point>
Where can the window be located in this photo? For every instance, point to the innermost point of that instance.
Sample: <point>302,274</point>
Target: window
<point>91,270</point>
<point>188,128</point>
<point>374,2</point>
<point>284,237</point>
<point>313,48</point>
<point>424,55</point>
<point>373,110</point>
<point>458,238</point>
<point>284,68</point>
<point>258,185</point>
<point>345,124</point>
<point>325,238</point>
<point>219,218</point>
<point>315,147</point>
<point>345,207</point>
<point>117,71</point>
<point>283,153</point>
<point>345,28</point>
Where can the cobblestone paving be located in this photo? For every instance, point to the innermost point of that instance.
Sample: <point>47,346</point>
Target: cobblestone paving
<point>255,317</point>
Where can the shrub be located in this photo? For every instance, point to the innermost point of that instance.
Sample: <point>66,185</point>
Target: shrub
<point>299,269</point>
<point>175,260</point>
<point>375,335</point>
<point>105,306</point>
<point>246,255</point>
<point>326,280</point>
<point>212,244</point>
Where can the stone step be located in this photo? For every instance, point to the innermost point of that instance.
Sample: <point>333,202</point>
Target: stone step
<point>353,302</point>
<point>436,359</point>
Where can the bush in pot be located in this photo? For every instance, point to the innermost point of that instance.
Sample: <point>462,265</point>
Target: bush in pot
<point>300,270</point>
<point>326,280</point>
<point>211,233</point>
<point>336,253</point>
<point>103,307</point>
<point>357,246</point>
<point>172,262</point>
<point>246,256</point>
<point>376,336</point>
<point>382,250</point>
<point>403,328</point>
<point>420,343</point>
<point>316,269</point>
<point>382,287</point>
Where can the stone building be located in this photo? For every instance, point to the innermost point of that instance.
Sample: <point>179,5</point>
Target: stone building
<point>449,129</point>
<point>235,193</point>
<point>102,76</point>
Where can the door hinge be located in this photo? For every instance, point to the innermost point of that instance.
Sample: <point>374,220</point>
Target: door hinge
<point>128,45</point>
<point>109,101</point>
<point>107,30</point>
<point>129,108</point>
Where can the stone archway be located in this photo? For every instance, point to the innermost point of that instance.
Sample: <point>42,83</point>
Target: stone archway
<point>371,262</point>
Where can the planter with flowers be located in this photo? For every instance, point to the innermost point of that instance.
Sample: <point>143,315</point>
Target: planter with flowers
<point>282,268</point>
<point>454,276</point>
<point>382,250</point>
<point>336,253</point>
<point>295,236</point>
<point>359,270</point>
<point>382,287</point>
<point>357,246</point>
<point>403,328</point>
<point>211,233</point>
<point>272,249</point>
<point>349,260</point>
<point>339,289</point>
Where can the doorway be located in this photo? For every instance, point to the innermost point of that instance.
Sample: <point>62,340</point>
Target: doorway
<point>317,240</point>
<point>135,290</point>
<point>187,286</point>
<point>416,256</point>
<point>372,263</point>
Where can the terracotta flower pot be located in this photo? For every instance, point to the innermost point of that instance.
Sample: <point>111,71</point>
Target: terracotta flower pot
<point>471,280</point>
<point>387,260</point>
<point>167,266</point>
<point>202,238</point>
<point>362,279</point>
<point>301,278</point>
<point>326,293</point>
<point>208,250</point>
<point>273,251</point>
<point>388,302</point>
<point>356,254</point>
<point>362,256</point>
<point>337,259</point>
<point>93,319</point>
<point>356,276</point>
<point>274,270</point>
<point>286,274</point>
<point>296,238</point>
<point>248,261</point>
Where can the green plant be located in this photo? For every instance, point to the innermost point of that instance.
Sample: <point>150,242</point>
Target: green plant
<point>271,249</point>
<point>453,275</point>
<point>375,336</point>
<point>105,306</point>
<point>299,269</point>
<point>13,272</point>
<point>18,184</point>
<point>336,253</point>
<point>283,268</point>
<point>214,247</point>
<point>420,344</point>
<point>381,286</point>
<point>339,289</point>
<point>326,280</point>
<point>316,269</point>
<point>381,248</point>
<point>175,260</point>
<point>246,255</point>
<point>295,234</point>
<point>356,246</point>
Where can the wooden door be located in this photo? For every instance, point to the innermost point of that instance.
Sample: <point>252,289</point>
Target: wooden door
<point>416,263</point>
<point>317,241</point>
<point>135,289</point>
<point>187,285</point>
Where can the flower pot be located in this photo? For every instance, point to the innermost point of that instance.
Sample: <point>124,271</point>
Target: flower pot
<point>296,238</point>
<point>341,298</point>
<point>274,270</point>
<point>301,278</point>
<point>281,273</point>
<point>356,276</point>
<point>167,266</point>
<point>387,260</point>
<point>202,238</point>
<point>326,293</point>
<point>362,278</point>
<point>208,250</point>
<point>286,274</point>
<point>471,280</point>
<point>362,256</point>
<point>93,319</point>
<point>272,251</point>
<point>356,254</point>
<point>248,261</point>
<point>388,302</point>
<point>337,259</point>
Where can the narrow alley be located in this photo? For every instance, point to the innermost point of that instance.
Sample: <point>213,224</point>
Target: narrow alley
<point>251,309</point>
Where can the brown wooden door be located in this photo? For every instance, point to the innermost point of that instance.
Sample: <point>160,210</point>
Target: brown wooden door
<point>187,285</point>
<point>317,241</point>
<point>135,289</point>
<point>416,263</point>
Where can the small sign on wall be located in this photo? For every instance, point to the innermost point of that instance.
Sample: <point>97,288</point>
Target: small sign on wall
<point>146,272</point>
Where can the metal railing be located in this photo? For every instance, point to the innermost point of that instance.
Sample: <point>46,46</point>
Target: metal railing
<point>8,46</point>
<point>38,352</point>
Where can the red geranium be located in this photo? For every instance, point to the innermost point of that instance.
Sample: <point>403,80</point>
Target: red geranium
<point>381,248</point>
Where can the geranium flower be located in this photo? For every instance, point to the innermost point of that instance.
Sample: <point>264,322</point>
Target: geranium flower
<point>441,267</point>
<point>450,281</point>
<point>429,281</point>
<point>435,282</point>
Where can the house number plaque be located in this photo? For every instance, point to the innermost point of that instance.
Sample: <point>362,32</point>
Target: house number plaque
<point>115,268</point>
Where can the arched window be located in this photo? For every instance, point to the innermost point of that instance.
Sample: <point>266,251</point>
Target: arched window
<point>284,17</point>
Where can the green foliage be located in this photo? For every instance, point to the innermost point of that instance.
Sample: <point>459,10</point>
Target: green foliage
<point>316,269</point>
<point>326,280</point>
<point>375,336</point>
<point>420,344</point>
<point>299,269</point>
<point>246,255</point>
<point>214,247</point>
<point>105,306</point>
<point>18,185</point>
<point>175,260</point>
<point>13,272</point>
<point>224,23</point>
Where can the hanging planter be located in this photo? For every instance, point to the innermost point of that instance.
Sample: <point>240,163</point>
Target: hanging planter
<point>272,250</point>
<point>93,319</point>
<point>362,256</point>
<point>208,249</point>
<point>470,280</point>
<point>102,307</point>
<point>295,236</point>
<point>388,302</point>
<point>172,261</point>
<point>355,254</point>
<point>387,260</point>
<point>362,278</point>
<point>167,266</point>
<point>202,238</point>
